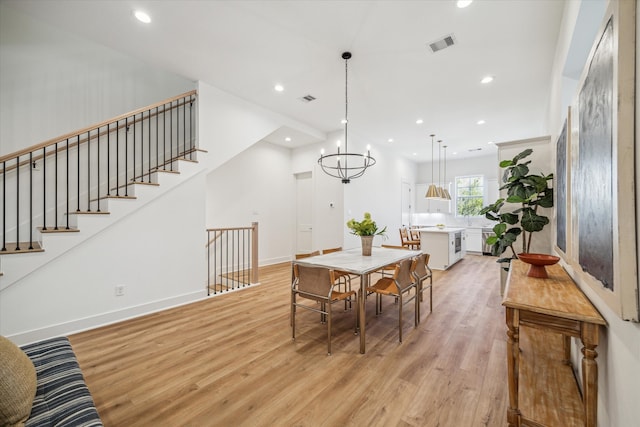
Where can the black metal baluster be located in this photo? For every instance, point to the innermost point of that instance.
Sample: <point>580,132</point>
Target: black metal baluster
<point>55,204</point>
<point>184,126</point>
<point>191,141</point>
<point>78,179</point>
<point>88,170</point>
<point>233,259</point>
<point>171,133</point>
<point>149,145</point>
<point>118,158</point>
<point>109,160</point>
<point>98,180</point>
<point>30,199</point>
<point>215,265</point>
<point>4,206</point>
<point>126,157</point>
<point>134,149</point>
<point>67,183</point>
<point>44,188</point>
<point>157,146</point>
<point>142,146</point>
<point>18,203</point>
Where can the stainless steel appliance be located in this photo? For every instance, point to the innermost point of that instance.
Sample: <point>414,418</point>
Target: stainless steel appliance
<point>458,240</point>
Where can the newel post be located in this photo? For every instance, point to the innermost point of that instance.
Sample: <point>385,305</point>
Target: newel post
<point>254,252</point>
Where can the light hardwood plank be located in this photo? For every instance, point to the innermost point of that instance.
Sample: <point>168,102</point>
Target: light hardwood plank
<point>230,360</point>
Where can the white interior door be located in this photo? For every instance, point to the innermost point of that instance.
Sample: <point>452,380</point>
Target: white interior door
<point>304,216</point>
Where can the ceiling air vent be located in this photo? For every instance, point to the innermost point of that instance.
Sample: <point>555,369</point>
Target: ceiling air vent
<point>442,43</point>
<point>474,149</point>
<point>307,98</point>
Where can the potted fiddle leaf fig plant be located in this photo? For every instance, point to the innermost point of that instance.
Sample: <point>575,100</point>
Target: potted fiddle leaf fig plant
<point>528,192</point>
<point>367,229</point>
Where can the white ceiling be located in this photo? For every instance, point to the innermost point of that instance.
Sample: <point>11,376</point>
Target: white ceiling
<point>246,47</point>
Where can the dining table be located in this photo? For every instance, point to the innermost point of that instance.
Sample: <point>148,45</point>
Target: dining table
<point>352,261</point>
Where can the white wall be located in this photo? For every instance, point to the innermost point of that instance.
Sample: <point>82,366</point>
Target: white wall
<point>53,82</point>
<point>379,193</point>
<point>157,253</point>
<point>256,185</point>
<point>619,349</point>
<point>328,221</point>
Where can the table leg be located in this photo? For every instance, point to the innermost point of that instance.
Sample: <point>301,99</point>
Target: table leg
<point>589,337</point>
<point>513,362</point>
<point>364,283</point>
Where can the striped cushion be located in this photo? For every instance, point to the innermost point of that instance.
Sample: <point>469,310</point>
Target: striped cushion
<point>62,397</point>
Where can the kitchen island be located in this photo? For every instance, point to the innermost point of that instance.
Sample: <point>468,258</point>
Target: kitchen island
<point>445,245</point>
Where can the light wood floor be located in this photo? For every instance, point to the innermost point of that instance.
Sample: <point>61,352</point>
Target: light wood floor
<point>230,361</point>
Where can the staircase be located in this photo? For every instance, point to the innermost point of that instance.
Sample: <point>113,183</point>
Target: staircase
<point>62,192</point>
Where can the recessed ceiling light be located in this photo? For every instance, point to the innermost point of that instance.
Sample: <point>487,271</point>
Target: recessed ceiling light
<point>419,121</point>
<point>490,142</point>
<point>142,16</point>
<point>481,122</point>
<point>390,140</point>
<point>278,88</point>
<point>486,79</point>
<point>343,121</point>
<point>415,154</point>
<point>463,3</point>
<point>287,139</point>
<point>455,152</point>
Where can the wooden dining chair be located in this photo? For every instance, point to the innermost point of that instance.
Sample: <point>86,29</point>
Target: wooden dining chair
<point>407,241</point>
<point>389,269</point>
<point>399,286</point>
<point>421,273</point>
<point>317,284</point>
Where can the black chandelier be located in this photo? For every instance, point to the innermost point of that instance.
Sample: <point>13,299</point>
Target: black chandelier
<point>346,166</point>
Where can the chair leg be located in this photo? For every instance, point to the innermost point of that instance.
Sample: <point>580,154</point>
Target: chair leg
<point>400,316</point>
<point>329,328</point>
<point>430,294</point>
<point>418,299</point>
<point>357,315</point>
<point>293,316</point>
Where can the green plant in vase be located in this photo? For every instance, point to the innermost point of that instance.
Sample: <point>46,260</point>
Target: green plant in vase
<point>530,192</point>
<point>366,227</point>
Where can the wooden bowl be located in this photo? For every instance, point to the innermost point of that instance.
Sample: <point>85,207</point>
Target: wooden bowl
<point>537,262</point>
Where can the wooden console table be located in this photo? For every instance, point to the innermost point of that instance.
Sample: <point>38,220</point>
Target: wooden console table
<point>542,387</point>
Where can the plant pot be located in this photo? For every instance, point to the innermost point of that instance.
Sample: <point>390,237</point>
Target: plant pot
<point>367,244</point>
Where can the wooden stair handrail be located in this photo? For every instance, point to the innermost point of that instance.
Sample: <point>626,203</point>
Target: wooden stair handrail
<point>93,127</point>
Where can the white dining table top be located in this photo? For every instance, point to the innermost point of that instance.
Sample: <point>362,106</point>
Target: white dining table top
<point>352,260</point>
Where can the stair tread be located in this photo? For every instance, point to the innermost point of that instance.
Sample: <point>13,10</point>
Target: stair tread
<point>89,213</point>
<point>24,248</point>
<point>113,196</point>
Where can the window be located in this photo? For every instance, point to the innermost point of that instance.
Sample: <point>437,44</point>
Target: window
<point>469,195</point>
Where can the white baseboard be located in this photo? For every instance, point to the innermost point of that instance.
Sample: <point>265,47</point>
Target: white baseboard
<point>103,319</point>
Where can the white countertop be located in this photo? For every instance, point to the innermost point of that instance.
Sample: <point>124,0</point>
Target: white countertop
<point>439,230</point>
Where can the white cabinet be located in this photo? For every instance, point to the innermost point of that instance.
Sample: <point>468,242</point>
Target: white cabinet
<point>429,205</point>
<point>474,239</point>
<point>446,246</point>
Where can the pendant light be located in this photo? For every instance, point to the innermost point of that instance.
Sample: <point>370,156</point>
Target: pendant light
<point>432,192</point>
<point>445,187</point>
<point>346,166</point>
